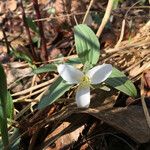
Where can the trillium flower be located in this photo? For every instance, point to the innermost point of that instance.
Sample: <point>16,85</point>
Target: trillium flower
<point>95,75</point>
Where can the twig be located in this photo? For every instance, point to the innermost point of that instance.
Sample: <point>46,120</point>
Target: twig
<point>82,13</point>
<point>34,88</point>
<point>27,30</point>
<point>29,106</point>
<point>121,34</point>
<point>87,12</point>
<point>17,80</point>
<point>44,54</point>
<point>125,47</point>
<point>123,25</point>
<point>23,99</point>
<point>59,59</point>
<point>24,110</point>
<point>33,81</point>
<point>75,19</point>
<point>105,18</point>
<point>60,16</point>
<point>131,8</point>
<point>135,64</point>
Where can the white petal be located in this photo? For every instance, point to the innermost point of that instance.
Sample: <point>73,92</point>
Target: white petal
<point>83,97</point>
<point>69,73</point>
<point>99,73</point>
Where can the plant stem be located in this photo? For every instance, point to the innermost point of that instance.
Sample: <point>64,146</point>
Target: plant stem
<point>28,31</point>
<point>44,55</point>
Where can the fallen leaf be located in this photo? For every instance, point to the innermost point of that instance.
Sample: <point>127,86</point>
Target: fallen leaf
<point>11,5</point>
<point>65,134</point>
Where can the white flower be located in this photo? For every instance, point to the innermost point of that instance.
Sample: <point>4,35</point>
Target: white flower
<point>96,75</point>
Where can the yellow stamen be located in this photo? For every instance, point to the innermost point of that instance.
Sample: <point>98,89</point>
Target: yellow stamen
<point>85,81</point>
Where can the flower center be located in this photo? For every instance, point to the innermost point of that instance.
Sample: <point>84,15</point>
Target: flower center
<point>85,81</point>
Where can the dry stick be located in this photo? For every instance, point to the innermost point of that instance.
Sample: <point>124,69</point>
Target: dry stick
<point>33,88</point>
<point>44,54</point>
<point>60,16</point>
<point>17,80</point>
<point>137,76</point>
<point>145,109</point>
<point>28,31</point>
<point>123,25</point>
<point>135,64</point>
<point>121,34</point>
<point>131,8</point>
<point>105,18</point>
<point>23,99</point>
<point>58,59</point>
<point>33,81</point>
<point>125,47</point>
<point>82,13</point>
<point>24,110</point>
<point>87,12</point>
<point>29,106</point>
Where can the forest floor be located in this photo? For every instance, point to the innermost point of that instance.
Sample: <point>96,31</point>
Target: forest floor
<point>34,37</point>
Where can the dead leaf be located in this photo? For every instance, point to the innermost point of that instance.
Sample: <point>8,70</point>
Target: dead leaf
<point>65,134</point>
<point>146,80</point>
<point>44,2</point>
<point>129,120</point>
<point>138,69</point>
<point>11,5</point>
<point>54,53</point>
<point>1,35</point>
<point>8,5</point>
<point>2,7</point>
<point>64,7</point>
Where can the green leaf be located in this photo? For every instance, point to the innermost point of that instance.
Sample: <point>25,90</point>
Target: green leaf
<point>56,90</point>
<point>22,54</point>
<point>3,86</point>
<point>3,125</point>
<point>3,107</point>
<point>118,80</point>
<point>9,106</point>
<point>32,24</point>
<point>37,41</point>
<point>73,61</point>
<point>45,68</point>
<point>87,44</point>
<point>116,2</point>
